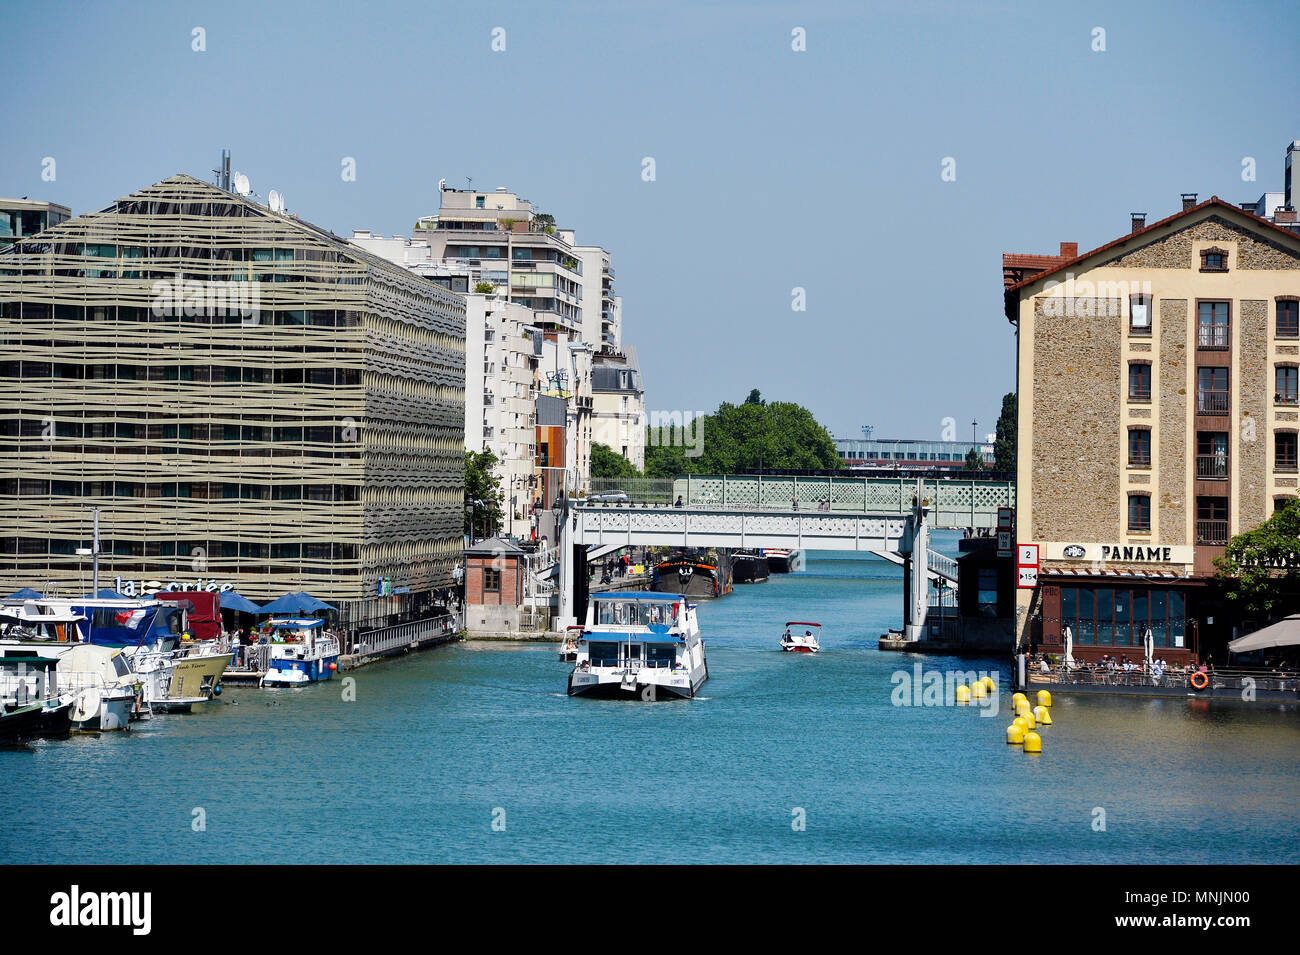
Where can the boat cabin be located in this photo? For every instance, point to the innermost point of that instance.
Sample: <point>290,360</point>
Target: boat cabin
<point>295,630</point>
<point>640,628</point>
<point>634,609</point>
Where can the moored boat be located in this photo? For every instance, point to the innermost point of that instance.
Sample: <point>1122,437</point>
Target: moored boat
<point>806,642</point>
<point>749,567</point>
<point>639,645</point>
<point>698,574</point>
<point>780,560</point>
<point>302,651</point>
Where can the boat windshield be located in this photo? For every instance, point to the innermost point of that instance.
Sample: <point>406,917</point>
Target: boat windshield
<point>634,613</point>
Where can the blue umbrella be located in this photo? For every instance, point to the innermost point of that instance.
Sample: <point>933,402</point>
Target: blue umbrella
<point>107,595</point>
<point>295,603</point>
<point>233,600</point>
<point>25,594</point>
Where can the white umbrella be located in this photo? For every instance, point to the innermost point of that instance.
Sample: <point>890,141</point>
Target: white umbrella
<point>1148,643</point>
<point>1069,648</point>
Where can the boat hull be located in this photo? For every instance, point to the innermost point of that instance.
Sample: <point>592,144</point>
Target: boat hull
<point>692,577</point>
<point>21,724</point>
<point>605,683</point>
<point>749,568</point>
<point>282,672</point>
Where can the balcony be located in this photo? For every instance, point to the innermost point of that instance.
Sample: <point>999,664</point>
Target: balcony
<point>1213,402</point>
<point>1212,466</point>
<point>1139,457</point>
<point>1212,337</point>
<point>1138,393</point>
<point>1211,532</point>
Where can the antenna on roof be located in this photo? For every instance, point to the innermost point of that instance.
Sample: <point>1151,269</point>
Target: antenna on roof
<point>223,174</point>
<point>470,182</point>
<point>241,184</point>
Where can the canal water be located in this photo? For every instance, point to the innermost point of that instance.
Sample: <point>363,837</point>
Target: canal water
<point>473,753</point>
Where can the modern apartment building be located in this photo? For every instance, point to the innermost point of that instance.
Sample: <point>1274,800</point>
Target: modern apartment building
<point>500,396</point>
<point>20,218</point>
<point>1159,413</point>
<point>248,399</point>
<point>875,454</point>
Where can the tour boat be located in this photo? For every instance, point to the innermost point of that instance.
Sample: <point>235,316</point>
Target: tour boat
<point>805,642</point>
<point>780,560</point>
<point>302,651</point>
<point>639,645</point>
<point>749,567</point>
<point>693,574</point>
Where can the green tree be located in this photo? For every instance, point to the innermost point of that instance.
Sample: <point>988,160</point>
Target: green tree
<point>608,463</point>
<point>1261,567</point>
<point>974,460</point>
<point>1004,445</point>
<point>484,288</point>
<point>483,494</point>
<point>771,435</point>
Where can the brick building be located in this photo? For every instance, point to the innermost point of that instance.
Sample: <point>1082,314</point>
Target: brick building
<point>494,586</point>
<point>1159,415</point>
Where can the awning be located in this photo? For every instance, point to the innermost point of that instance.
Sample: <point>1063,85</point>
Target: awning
<point>1284,633</point>
<point>234,600</point>
<point>295,603</point>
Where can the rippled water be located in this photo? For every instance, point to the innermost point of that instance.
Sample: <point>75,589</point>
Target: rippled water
<point>438,742</point>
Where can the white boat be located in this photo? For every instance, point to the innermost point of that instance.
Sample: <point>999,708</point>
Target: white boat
<point>806,642</point>
<point>302,651</point>
<point>639,644</point>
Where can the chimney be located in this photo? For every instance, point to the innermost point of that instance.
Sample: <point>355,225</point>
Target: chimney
<point>1284,215</point>
<point>1139,221</point>
<point>1069,250</point>
<point>1189,200</point>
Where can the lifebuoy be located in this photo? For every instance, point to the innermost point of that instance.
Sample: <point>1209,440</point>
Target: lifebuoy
<point>1200,681</point>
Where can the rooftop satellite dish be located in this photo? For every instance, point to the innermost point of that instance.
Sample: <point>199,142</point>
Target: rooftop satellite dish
<point>275,201</point>
<point>241,184</point>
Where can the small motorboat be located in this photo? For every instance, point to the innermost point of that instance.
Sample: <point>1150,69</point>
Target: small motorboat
<point>806,642</point>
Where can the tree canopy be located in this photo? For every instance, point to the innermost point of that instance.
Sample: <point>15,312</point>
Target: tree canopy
<point>483,494</point>
<point>608,463</point>
<point>1004,445</point>
<point>754,435</point>
<point>1261,567</point>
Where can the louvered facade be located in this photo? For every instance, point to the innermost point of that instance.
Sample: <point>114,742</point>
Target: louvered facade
<point>247,398</point>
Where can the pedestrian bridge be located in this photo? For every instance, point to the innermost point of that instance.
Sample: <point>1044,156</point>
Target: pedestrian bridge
<point>966,501</point>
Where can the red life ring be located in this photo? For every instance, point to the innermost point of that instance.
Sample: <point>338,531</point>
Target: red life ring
<point>1200,681</point>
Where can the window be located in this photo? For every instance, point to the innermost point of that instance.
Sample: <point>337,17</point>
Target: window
<point>987,592</point>
<point>1211,520</point>
<point>1139,447</point>
<point>1288,318</point>
<point>1212,454</point>
<point>1139,381</point>
<point>1285,393</point>
<point>1212,391</point>
<point>1212,324</point>
<point>1214,260</point>
<point>478,202</point>
<point>1139,513</point>
<point>1139,315</point>
<point>1284,451</point>
<point>491,580</point>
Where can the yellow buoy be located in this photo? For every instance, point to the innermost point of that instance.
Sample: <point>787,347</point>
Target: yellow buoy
<point>1017,697</point>
<point>963,694</point>
<point>1042,715</point>
<point>1022,707</point>
<point>1020,721</point>
<point>1030,722</point>
<point>1015,735</point>
<point>1033,743</point>
<point>989,684</point>
<point>977,691</point>
<point>1044,698</point>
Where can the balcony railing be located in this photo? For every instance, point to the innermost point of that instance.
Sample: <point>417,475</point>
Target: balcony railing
<point>1211,466</point>
<point>1212,336</point>
<point>1139,457</point>
<point>1136,393</point>
<point>1211,532</point>
<point>1212,402</point>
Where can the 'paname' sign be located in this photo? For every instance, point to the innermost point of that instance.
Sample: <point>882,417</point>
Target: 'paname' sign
<point>1118,553</point>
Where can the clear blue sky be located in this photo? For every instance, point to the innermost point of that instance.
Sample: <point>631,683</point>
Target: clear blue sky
<point>775,168</point>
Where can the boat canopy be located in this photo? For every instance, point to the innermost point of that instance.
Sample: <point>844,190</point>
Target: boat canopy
<point>801,623</point>
<point>305,624</point>
<point>632,636</point>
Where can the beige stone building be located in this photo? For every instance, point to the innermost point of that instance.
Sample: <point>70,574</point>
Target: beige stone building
<point>1159,413</point>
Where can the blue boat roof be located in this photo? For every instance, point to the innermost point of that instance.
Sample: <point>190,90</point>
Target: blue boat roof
<point>637,595</point>
<point>635,636</point>
<point>282,624</point>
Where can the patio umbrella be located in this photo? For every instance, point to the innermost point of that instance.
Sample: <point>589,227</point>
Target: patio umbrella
<point>25,594</point>
<point>1069,648</point>
<point>1149,643</point>
<point>299,602</point>
<point>1284,633</point>
<point>233,600</point>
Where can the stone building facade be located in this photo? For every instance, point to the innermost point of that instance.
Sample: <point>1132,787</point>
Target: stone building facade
<point>1158,418</point>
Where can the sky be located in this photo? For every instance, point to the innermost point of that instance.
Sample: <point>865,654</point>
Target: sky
<point>774,168</point>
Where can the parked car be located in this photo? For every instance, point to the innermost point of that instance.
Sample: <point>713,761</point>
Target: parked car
<point>610,497</point>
